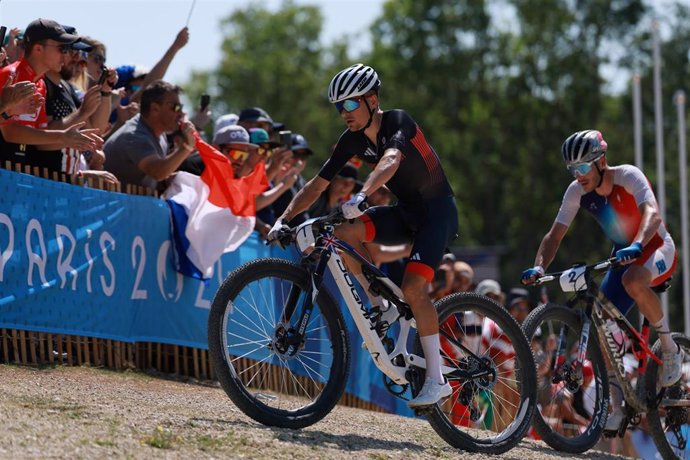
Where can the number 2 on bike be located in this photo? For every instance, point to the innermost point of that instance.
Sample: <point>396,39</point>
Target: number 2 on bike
<point>573,407</point>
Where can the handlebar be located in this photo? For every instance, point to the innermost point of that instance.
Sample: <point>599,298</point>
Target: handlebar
<point>597,266</point>
<point>287,235</point>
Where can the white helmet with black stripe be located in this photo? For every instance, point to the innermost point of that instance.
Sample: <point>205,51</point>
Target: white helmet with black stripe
<point>583,147</point>
<point>354,81</point>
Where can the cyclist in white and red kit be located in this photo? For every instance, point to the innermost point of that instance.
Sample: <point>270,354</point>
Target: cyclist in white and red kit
<point>621,200</point>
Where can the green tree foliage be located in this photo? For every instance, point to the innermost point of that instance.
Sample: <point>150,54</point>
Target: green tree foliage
<point>495,85</point>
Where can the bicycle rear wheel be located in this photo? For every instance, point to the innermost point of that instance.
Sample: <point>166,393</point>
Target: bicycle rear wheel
<point>272,380</point>
<point>489,414</point>
<point>668,422</point>
<point>571,414</point>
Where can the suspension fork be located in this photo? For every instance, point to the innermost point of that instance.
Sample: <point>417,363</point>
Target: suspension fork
<point>581,346</point>
<point>584,336</point>
<point>315,280</point>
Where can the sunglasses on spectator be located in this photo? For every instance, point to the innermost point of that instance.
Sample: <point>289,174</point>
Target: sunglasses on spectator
<point>176,107</point>
<point>349,105</point>
<point>265,151</point>
<point>580,169</point>
<point>235,154</point>
<point>64,49</point>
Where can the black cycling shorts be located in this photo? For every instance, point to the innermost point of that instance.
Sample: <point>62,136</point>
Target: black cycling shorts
<point>430,227</point>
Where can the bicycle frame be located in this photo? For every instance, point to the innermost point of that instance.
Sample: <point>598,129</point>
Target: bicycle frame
<point>326,246</point>
<point>598,309</point>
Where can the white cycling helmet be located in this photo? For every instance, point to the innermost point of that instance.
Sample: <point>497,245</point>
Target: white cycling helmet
<point>354,81</point>
<point>583,146</point>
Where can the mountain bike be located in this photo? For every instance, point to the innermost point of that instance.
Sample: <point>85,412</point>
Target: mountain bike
<point>567,394</point>
<point>281,350</point>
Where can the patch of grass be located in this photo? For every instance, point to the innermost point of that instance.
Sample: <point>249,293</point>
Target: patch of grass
<point>207,443</point>
<point>105,442</point>
<point>162,438</point>
<point>437,452</point>
<point>43,404</point>
<point>378,456</point>
<point>229,440</point>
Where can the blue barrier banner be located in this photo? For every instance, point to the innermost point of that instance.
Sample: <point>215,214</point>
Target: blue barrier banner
<point>93,263</point>
<point>80,261</point>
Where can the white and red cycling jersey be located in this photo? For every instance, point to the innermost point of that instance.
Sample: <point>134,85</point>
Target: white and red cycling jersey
<point>619,216</point>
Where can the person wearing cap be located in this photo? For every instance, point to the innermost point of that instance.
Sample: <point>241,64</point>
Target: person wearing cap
<point>338,190</point>
<point>65,103</point>
<point>491,289</point>
<point>221,122</point>
<point>137,153</point>
<point>255,117</point>
<point>65,107</point>
<point>301,152</point>
<point>281,177</point>
<point>265,152</point>
<point>23,136</point>
<point>234,142</point>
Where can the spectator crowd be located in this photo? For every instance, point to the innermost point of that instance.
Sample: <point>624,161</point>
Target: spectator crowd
<point>65,111</point>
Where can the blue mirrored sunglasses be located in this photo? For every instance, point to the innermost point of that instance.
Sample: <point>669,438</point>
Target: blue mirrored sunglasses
<point>580,169</point>
<point>349,105</point>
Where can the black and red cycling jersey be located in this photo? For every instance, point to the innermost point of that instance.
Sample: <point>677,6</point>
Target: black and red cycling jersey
<point>419,177</point>
<point>426,214</point>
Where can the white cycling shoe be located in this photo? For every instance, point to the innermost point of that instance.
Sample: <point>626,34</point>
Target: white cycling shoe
<point>431,393</point>
<point>672,369</point>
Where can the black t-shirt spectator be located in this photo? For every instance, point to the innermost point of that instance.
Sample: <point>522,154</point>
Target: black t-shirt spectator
<point>61,100</point>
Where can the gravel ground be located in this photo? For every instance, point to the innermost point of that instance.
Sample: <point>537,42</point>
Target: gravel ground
<point>94,413</point>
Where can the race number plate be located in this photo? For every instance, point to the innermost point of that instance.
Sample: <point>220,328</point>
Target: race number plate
<point>574,279</point>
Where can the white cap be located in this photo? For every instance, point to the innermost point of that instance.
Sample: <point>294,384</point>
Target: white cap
<point>233,134</point>
<point>228,119</point>
<point>488,287</point>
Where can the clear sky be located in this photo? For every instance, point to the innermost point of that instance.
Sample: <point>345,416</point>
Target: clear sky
<point>139,31</point>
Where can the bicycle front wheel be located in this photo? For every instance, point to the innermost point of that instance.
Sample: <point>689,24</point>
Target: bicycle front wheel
<point>273,377</point>
<point>489,414</point>
<point>571,412</point>
<point>668,422</point>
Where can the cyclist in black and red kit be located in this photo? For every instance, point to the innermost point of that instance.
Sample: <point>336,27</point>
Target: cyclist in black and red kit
<point>425,215</point>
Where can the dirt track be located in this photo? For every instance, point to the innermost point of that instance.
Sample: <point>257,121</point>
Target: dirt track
<point>91,413</point>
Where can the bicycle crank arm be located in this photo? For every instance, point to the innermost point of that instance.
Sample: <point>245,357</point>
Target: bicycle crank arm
<point>420,362</point>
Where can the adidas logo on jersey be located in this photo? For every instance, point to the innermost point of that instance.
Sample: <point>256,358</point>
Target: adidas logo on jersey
<point>415,256</point>
<point>369,152</point>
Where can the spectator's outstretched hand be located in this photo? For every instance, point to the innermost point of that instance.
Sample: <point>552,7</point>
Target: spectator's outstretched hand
<point>82,139</point>
<point>182,39</point>
<point>292,174</point>
<point>12,47</point>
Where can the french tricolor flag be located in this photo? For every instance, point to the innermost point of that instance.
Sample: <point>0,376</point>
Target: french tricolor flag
<point>213,213</point>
